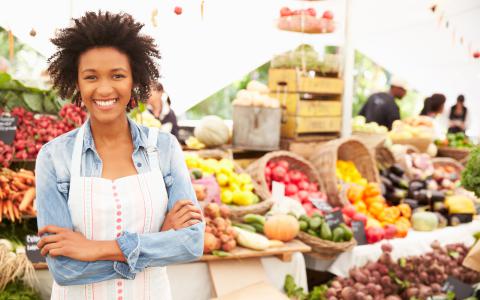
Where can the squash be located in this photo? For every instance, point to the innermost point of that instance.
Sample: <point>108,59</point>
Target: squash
<point>424,221</point>
<point>212,131</point>
<point>281,227</point>
<point>251,240</point>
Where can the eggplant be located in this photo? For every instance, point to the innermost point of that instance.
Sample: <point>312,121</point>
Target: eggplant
<point>422,196</point>
<point>442,220</point>
<point>437,196</point>
<point>411,202</point>
<point>415,185</point>
<point>384,172</point>
<point>397,170</point>
<point>439,207</point>
<point>398,181</point>
<point>387,182</point>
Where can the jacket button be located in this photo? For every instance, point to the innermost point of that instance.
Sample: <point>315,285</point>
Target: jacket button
<point>139,164</point>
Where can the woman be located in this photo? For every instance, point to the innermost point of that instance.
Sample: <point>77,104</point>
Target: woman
<point>433,107</point>
<point>159,105</point>
<point>115,203</point>
<point>458,116</point>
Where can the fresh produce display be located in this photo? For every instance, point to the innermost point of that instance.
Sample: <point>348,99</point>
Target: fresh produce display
<point>381,220</point>
<point>420,166</point>
<point>17,194</point>
<point>447,177</point>
<point>297,184</point>
<point>306,21</point>
<point>281,227</point>
<point>219,233</point>
<point>35,130</point>
<point>193,143</point>
<point>6,154</point>
<point>471,173</point>
<point>252,223</point>
<point>297,293</point>
<point>317,226</point>
<point>256,94</point>
<point>416,277</point>
<point>347,172</point>
<point>456,140</point>
<point>235,189</point>
<point>212,131</point>
<point>414,127</point>
<point>359,124</point>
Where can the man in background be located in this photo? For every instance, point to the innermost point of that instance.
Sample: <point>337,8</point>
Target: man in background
<point>381,107</point>
<point>159,106</point>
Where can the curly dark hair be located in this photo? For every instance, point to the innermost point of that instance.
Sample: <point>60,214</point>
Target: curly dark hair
<point>103,29</point>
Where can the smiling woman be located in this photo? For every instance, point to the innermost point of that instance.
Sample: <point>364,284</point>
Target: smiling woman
<point>115,202</point>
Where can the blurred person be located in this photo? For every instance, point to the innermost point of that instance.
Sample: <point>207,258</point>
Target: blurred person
<point>433,108</point>
<point>381,107</point>
<point>458,116</point>
<point>159,105</point>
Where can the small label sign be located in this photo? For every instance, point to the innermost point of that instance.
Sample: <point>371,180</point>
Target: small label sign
<point>8,127</point>
<point>461,289</point>
<point>278,191</point>
<point>334,219</point>
<point>359,232</point>
<point>33,253</point>
<point>321,204</point>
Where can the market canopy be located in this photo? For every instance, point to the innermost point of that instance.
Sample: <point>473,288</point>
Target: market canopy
<point>235,37</point>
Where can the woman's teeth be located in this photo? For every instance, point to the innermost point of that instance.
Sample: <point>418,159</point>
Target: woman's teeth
<point>105,102</point>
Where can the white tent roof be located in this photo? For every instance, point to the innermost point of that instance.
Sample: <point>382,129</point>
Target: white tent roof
<point>200,57</point>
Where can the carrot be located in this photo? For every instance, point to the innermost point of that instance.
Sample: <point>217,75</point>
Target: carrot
<point>16,212</point>
<point>24,176</point>
<point>17,197</point>
<point>28,172</point>
<point>28,198</point>
<point>11,214</point>
<point>1,210</point>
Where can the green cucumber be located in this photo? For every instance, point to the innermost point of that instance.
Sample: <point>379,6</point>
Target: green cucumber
<point>252,218</point>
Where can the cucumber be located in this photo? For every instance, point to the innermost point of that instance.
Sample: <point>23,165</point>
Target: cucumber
<point>312,232</point>
<point>252,218</point>
<point>303,225</point>
<point>246,227</point>
<point>338,234</point>
<point>347,232</point>
<point>315,223</point>
<point>258,227</point>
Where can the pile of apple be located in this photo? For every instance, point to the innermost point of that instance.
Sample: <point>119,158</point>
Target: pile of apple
<point>34,130</point>
<point>306,20</point>
<point>297,184</point>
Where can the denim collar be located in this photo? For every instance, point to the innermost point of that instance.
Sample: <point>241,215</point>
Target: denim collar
<point>138,137</point>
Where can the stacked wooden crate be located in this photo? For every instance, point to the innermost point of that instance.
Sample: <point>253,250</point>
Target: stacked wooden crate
<point>312,107</point>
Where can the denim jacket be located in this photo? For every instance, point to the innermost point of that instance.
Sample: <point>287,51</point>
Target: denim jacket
<point>140,250</point>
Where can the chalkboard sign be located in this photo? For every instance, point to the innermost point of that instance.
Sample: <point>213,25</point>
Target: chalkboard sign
<point>8,127</point>
<point>359,232</point>
<point>33,253</point>
<point>334,219</point>
<point>461,289</point>
<point>321,204</point>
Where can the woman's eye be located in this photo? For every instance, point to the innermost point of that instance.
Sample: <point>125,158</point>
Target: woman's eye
<point>118,76</point>
<point>90,77</point>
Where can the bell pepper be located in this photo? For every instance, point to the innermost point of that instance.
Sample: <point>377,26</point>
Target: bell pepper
<point>389,215</point>
<point>360,207</point>
<point>376,208</point>
<point>379,198</point>
<point>355,193</point>
<point>372,190</point>
<point>405,210</point>
<point>403,225</point>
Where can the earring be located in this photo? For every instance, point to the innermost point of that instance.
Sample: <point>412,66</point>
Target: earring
<point>132,103</point>
<point>77,99</point>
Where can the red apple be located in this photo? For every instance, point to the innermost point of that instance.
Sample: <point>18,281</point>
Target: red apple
<point>285,12</point>
<point>390,231</point>
<point>295,176</point>
<point>328,15</point>
<point>271,165</point>
<point>283,163</point>
<point>178,10</point>
<point>291,189</point>
<point>303,185</point>
<point>360,217</point>
<point>313,187</point>
<point>347,220</point>
<point>349,210</point>
<point>308,206</point>
<point>375,234</point>
<point>303,196</point>
<point>278,173</point>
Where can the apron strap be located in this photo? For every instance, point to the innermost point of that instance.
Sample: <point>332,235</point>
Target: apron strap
<point>152,151</point>
<point>77,152</point>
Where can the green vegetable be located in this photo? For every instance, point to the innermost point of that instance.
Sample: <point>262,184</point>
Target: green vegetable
<point>304,218</point>
<point>312,232</point>
<point>325,232</point>
<point>252,218</point>
<point>258,227</point>
<point>17,290</point>
<point>196,173</point>
<point>303,225</point>
<point>338,234</point>
<point>246,227</point>
<point>471,173</point>
<point>292,290</point>
<point>347,234</point>
<point>220,253</point>
<point>315,223</point>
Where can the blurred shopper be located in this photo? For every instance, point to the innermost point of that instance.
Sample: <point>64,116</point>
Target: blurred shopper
<point>159,105</point>
<point>458,116</point>
<point>381,107</point>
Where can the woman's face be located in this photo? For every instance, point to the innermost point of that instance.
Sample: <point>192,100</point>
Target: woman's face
<point>105,83</point>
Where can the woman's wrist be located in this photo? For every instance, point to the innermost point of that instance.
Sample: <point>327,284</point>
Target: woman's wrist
<point>108,250</point>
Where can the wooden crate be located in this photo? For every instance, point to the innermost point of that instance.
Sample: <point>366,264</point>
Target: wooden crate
<point>256,128</point>
<point>295,126</point>
<point>306,146</point>
<point>296,104</point>
<point>291,80</point>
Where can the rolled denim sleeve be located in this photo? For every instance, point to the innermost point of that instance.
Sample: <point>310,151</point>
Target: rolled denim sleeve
<point>168,247</point>
<point>52,207</point>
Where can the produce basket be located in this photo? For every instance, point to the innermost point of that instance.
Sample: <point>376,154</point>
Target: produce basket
<point>384,156</point>
<point>296,162</point>
<point>446,161</point>
<point>419,143</point>
<point>460,155</point>
<point>370,139</point>
<point>325,249</point>
<point>349,149</point>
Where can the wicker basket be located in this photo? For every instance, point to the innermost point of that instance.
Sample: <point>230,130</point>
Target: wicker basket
<point>350,149</point>
<point>384,156</point>
<point>325,249</point>
<point>446,161</point>
<point>460,155</point>
<point>420,143</point>
<point>257,170</point>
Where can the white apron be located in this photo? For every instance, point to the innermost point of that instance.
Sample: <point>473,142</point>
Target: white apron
<point>102,209</point>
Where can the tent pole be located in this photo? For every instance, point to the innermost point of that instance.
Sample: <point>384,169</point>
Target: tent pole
<point>348,72</point>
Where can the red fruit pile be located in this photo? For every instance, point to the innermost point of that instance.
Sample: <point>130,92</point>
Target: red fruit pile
<point>306,20</point>
<point>35,130</point>
<point>297,184</point>
<point>6,154</point>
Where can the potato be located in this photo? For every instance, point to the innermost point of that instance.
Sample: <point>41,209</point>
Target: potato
<point>393,297</point>
<point>348,293</point>
<point>229,246</point>
<point>360,296</point>
<point>411,292</point>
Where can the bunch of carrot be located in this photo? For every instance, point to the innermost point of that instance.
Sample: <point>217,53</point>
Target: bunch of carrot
<point>17,194</point>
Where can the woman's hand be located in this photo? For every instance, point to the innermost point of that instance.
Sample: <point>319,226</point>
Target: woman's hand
<point>183,214</point>
<point>65,242</point>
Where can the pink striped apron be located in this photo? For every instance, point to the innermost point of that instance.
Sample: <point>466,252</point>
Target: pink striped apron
<point>102,209</point>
